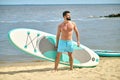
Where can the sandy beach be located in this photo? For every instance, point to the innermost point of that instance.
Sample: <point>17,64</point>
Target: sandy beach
<point>108,69</point>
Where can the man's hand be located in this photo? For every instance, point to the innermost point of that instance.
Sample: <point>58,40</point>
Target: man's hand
<point>78,43</point>
<point>56,47</point>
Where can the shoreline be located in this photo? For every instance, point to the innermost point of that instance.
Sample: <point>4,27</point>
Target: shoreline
<point>107,69</point>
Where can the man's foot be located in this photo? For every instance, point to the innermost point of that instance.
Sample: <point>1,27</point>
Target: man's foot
<point>55,70</point>
<point>71,68</point>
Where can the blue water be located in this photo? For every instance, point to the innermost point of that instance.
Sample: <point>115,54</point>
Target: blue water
<point>95,32</point>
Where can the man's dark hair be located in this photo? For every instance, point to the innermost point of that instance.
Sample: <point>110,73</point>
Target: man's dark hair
<point>65,12</point>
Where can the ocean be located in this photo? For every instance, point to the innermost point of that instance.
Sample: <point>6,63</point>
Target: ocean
<point>95,32</point>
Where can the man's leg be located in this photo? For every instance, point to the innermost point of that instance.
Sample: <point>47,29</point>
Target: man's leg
<point>57,61</point>
<point>70,60</point>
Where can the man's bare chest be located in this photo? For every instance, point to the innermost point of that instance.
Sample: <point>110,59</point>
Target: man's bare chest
<point>67,27</point>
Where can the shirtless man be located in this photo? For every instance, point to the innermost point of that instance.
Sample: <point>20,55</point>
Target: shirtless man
<point>64,39</point>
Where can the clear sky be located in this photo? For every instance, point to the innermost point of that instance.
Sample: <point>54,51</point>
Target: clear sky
<point>8,2</point>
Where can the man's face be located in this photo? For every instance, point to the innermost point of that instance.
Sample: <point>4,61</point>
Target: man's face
<point>67,17</point>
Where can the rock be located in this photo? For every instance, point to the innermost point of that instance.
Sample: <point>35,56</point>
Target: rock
<point>112,15</point>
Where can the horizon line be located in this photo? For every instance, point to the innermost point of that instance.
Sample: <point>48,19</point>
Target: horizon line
<point>59,4</point>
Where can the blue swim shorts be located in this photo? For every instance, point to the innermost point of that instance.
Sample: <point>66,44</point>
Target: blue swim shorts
<point>65,46</point>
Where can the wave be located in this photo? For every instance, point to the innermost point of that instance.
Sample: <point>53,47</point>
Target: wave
<point>88,19</point>
<point>9,21</point>
<point>27,21</point>
<point>95,18</point>
<point>57,20</point>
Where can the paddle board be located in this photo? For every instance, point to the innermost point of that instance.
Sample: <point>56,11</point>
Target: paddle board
<point>41,45</point>
<point>107,53</point>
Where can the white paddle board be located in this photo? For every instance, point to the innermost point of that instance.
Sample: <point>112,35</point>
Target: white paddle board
<point>41,45</point>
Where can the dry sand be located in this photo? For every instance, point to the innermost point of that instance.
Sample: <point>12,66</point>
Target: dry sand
<point>108,69</point>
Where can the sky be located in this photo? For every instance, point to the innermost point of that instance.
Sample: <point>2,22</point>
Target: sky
<point>15,2</point>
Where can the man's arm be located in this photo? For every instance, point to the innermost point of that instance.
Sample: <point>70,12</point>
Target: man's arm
<point>58,36</point>
<point>77,34</point>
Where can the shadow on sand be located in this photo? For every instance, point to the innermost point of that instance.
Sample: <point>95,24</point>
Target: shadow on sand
<point>33,70</point>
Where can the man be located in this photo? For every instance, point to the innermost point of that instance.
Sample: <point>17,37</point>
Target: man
<point>64,39</point>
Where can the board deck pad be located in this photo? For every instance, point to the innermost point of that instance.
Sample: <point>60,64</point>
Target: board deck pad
<point>49,51</point>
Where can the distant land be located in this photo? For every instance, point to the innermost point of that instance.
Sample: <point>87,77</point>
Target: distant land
<point>112,15</point>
